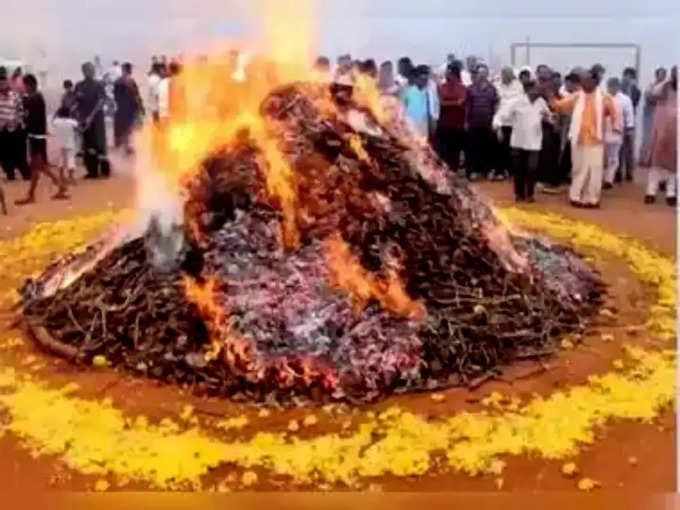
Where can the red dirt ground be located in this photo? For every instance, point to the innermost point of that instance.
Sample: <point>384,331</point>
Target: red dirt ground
<point>607,461</point>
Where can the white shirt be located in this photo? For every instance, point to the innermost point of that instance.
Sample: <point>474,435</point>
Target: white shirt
<point>64,131</point>
<point>527,118</point>
<point>164,98</point>
<point>466,77</point>
<point>507,94</point>
<point>154,82</point>
<point>627,109</point>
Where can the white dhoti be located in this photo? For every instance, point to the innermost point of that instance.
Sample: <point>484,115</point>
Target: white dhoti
<point>658,175</point>
<point>586,174</point>
<point>612,156</point>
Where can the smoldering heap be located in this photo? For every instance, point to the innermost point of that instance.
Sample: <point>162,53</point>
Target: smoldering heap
<point>372,271</point>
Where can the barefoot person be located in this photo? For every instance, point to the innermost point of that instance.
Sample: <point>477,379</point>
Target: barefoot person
<point>36,129</point>
<point>64,128</point>
<point>90,99</point>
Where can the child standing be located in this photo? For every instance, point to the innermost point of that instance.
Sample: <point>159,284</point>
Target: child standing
<point>64,127</point>
<point>527,114</point>
<point>36,128</point>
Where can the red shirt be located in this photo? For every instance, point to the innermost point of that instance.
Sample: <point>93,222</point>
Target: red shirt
<point>452,101</point>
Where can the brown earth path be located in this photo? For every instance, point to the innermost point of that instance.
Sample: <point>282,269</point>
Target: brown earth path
<point>607,461</point>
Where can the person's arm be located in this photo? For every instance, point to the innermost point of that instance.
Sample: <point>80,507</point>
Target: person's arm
<point>610,110</point>
<point>564,105</point>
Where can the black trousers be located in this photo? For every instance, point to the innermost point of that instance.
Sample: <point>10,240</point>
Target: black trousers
<point>525,164</point>
<point>626,155</point>
<point>13,153</point>
<point>565,164</point>
<point>504,152</point>
<point>548,161</point>
<point>449,143</point>
<point>481,149</point>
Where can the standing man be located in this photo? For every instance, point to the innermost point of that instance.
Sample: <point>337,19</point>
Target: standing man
<point>90,99</point>
<point>36,129</point>
<point>468,74</point>
<point>404,74</point>
<point>416,101</point>
<point>648,114</point>
<point>451,125</point>
<point>626,159</point>
<point>12,143</point>
<point>664,142</point>
<point>481,102</point>
<point>589,107</point>
<point>613,138</point>
<point>526,115</point>
<point>509,91</point>
<point>572,83</point>
<point>629,86</point>
<point>129,108</point>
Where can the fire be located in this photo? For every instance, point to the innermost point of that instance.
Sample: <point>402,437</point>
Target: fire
<point>235,349</point>
<point>362,286</point>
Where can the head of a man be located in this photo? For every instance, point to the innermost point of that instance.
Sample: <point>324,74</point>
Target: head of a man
<point>571,82</point>
<point>524,77</point>
<point>68,85</point>
<point>533,91</point>
<point>507,75</point>
<point>88,70</point>
<point>629,76</point>
<point>450,58</point>
<point>556,80</point>
<point>613,85</point>
<point>543,73</point>
<point>421,75</point>
<point>590,81</point>
<point>322,64</point>
<point>598,70</point>
<point>471,63</point>
<point>369,68</point>
<point>453,71</point>
<point>660,74</point>
<point>482,73</point>
<point>404,66</point>
<point>127,68</point>
<point>4,84</point>
<point>30,83</point>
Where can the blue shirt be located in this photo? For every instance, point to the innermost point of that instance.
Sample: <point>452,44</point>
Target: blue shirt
<point>416,104</point>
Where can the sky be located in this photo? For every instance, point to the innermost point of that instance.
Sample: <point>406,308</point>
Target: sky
<point>71,31</point>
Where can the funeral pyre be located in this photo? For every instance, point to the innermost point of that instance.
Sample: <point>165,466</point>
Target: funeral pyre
<point>337,260</point>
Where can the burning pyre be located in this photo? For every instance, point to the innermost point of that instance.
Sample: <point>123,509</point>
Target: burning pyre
<point>333,258</point>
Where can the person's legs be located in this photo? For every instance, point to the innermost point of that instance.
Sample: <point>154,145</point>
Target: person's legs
<point>652,185</point>
<point>3,205</point>
<point>6,155</point>
<point>611,157</point>
<point>506,163</point>
<point>671,191</point>
<point>519,173</point>
<point>488,151</point>
<point>579,173</point>
<point>627,158</point>
<point>595,162</point>
<point>531,173</point>
<point>472,166</point>
<point>456,142</point>
<point>20,158</point>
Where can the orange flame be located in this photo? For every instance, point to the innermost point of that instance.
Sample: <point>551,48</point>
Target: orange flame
<point>235,349</point>
<point>349,274</point>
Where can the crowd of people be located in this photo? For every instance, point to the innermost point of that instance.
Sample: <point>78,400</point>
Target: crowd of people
<point>536,126</point>
<point>541,128</point>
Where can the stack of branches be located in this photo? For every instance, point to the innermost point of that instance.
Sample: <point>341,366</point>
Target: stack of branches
<point>304,336</point>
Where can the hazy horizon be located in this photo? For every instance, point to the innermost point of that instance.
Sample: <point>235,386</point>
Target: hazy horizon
<point>426,31</point>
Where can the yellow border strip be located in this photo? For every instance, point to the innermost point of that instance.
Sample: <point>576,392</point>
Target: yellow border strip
<point>94,437</point>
